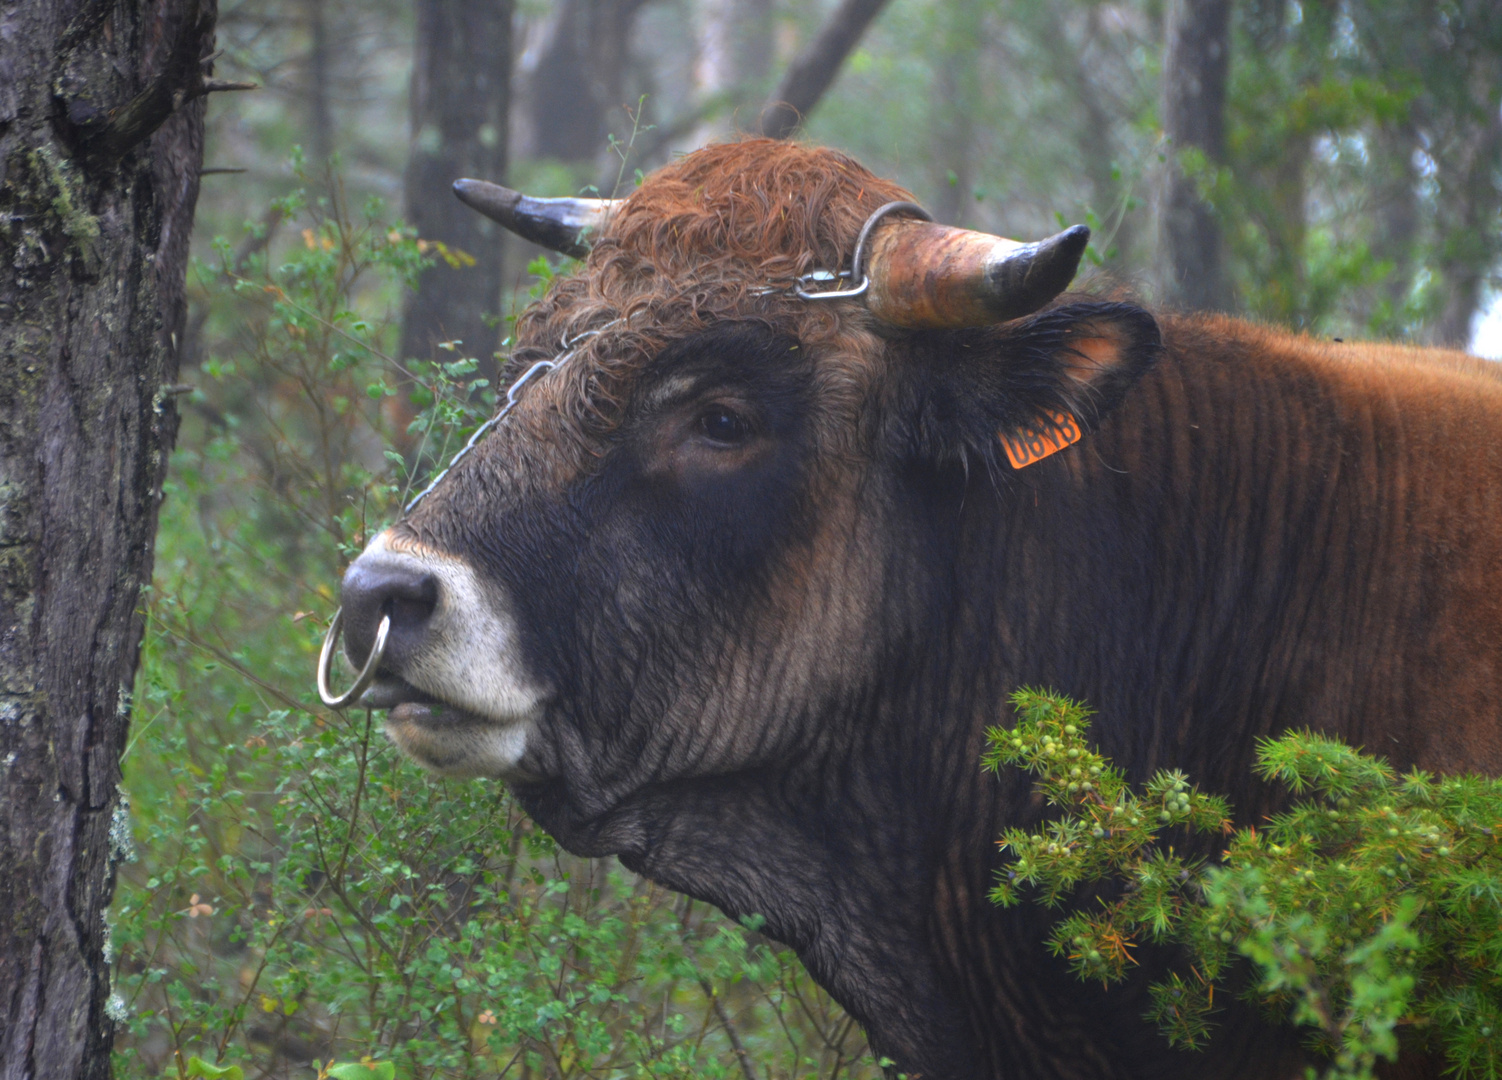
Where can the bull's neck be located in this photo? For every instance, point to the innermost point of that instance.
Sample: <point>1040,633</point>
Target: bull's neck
<point>838,853</point>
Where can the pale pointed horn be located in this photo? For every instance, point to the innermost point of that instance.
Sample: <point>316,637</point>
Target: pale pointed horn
<point>929,276</point>
<point>568,226</point>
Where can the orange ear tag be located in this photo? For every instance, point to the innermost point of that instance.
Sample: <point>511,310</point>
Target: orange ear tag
<point>1028,445</point>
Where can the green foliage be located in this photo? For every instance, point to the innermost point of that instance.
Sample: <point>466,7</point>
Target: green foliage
<point>1300,115</point>
<point>362,1070</point>
<point>199,1068</point>
<point>302,894</point>
<point>1373,904</point>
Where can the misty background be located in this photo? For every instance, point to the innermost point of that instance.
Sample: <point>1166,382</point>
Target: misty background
<point>1332,166</point>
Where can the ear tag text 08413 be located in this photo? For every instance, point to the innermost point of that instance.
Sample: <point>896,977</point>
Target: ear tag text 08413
<point>1026,445</point>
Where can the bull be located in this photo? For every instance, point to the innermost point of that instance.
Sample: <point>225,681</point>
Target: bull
<point>760,550</point>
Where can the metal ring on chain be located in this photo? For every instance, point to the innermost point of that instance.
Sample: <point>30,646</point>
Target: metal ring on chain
<point>856,273</point>
<point>367,673</point>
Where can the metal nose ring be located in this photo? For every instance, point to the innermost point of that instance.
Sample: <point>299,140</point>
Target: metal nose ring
<point>367,673</point>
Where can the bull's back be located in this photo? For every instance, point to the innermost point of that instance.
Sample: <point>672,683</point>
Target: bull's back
<point>1357,492</point>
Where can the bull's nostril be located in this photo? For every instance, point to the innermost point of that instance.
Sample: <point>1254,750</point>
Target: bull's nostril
<point>380,583</point>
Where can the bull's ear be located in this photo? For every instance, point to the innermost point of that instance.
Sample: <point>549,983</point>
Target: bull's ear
<point>1015,394</point>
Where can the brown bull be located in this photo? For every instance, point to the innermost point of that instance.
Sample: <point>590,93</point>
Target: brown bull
<point>735,589</point>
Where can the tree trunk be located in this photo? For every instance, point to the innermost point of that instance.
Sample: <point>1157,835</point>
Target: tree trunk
<point>101,141</point>
<point>461,92</point>
<point>734,59</point>
<point>1397,221</point>
<point>320,83</point>
<point>1194,97</point>
<point>577,80</point>
<point>813,71</point>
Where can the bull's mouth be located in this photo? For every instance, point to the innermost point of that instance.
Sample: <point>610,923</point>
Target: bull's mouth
<point>389,692</point>
<point>446,738</point>
<point>406,704</point>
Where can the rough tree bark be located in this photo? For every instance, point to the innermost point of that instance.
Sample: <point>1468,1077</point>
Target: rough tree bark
<point>1194,98</point>
<point>813,71</point>
<point>460,100</point>
<point>101,142</point>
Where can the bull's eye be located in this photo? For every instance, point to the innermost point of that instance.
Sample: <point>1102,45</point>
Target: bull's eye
<point>724,426</point>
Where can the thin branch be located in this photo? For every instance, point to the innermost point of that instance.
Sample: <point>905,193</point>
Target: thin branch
<point>216,86</point>
<point>109,134</point>
<point>714,998</point>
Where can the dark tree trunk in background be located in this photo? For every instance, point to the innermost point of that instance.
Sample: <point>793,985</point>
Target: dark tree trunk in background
<point>1397,202</point>
<point>97,188</point>
<point>320,78</point>
<point>578,80</point>
<point>813,71</point>
<point>1194,95</point>
<point>461,92</point>
<point>1451,55</point>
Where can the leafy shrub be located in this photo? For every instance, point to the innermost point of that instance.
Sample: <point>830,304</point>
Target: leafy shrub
<point>300,893</point>
<point>1373,903</point>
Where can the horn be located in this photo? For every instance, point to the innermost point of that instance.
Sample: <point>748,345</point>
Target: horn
<point>552,223</point>
<point>929,276</point>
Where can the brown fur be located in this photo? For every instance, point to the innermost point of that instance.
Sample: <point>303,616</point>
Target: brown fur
<point>1408,491</point>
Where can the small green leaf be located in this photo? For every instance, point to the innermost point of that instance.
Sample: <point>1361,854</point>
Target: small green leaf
<point>357,1070</point>
<point>201,1068</point>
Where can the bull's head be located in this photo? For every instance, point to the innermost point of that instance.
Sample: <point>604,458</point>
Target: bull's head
<point>713,538</point>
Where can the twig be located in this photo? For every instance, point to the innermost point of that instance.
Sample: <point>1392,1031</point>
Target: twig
<point>239,668</point>
<point>215,86</point>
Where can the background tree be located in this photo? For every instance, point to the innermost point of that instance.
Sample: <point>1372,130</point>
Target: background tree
<point>101,140</point>
<point>733,62</point>
<point>813,71</point>
<point>1195,66</point>
<point>959,27</point>
<point>577,76</point>
<point>461,100</point>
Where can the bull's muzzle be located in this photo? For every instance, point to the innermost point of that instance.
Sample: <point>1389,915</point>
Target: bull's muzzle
<point>388,601</point>
<point>438,649</point>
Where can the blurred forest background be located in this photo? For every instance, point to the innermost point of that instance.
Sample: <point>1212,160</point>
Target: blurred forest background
<point>298,894</point>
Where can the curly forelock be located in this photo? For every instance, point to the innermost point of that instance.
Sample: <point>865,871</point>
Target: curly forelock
<point>720,233</point>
